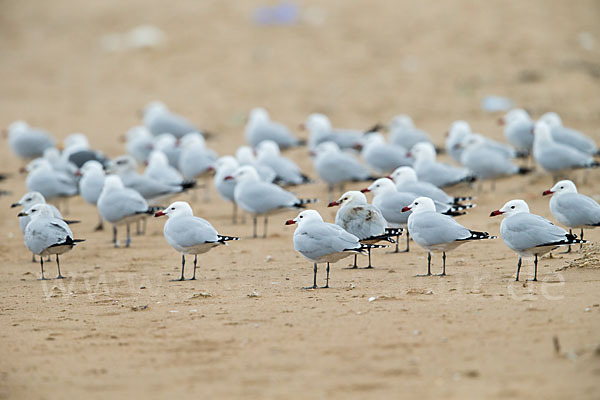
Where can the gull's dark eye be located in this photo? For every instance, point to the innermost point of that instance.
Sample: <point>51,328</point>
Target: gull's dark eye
<point>416,204</point>
<point>172,208</point>
<point>29,199</point>
<point>301,216</point>
<point>562,187</point>
<point>512,207</point>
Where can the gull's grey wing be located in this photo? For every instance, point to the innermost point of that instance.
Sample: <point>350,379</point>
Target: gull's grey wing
<point>260,197</point>
<point>524,231</point>
<point>45,232</point>
<point>362,221</point>
<point>432,228</point>
<point>119,204</point>
<point>189,231</point>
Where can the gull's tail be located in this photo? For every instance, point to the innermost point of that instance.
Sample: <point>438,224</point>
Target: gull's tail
<point>223,238</point>
<point>475,235</point>
<point>302,202</point>
<point>458,209</point>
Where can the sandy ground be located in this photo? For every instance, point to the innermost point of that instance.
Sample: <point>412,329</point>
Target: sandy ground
<point>118,328</point>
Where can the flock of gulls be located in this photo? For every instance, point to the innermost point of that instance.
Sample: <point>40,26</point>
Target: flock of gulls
<point>400,170</point>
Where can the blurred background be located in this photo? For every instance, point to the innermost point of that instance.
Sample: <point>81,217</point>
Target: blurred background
<point>91,66</point>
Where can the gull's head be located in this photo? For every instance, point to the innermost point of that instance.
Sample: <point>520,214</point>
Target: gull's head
<point>459,129</point>
<point>267,148</point>
<point>37,211</point>
<point>561,187</point>
<point>78,140</point>
<point>138,132</point>
<point>304,217</point>
<point>38,163</point>
<point>401,121</point>
<point>515,115</point>
<point>420,204</point>
<point>374,138</point>
<point>112,182</point>
<point>158,158</point>
<point>472,140</point>
<point>17,126</point>
<point>403,175</point>
<point>327,148</point>
<point>244,174</point>
<point>552,119</point>
<point>381,185</point>
<point>51,154</point>
<point>423,151</point>
<point>225,162</point>
<point>29,199</point>
<point>541,132</point>
<point>352,197</point>
<point>245,155</point>
<point>89,166</point>
<point>177,209</point>
<point>165,141</point>
<point>154,108</point>
<point>258,114</point>
<point>192,138</point>
<point>124,163</point>
<point>511,208</point>
<point>317,123</point>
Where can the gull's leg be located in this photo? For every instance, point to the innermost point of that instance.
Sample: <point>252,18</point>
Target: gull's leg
<point>314,286</point>
<point>43,278</point>
<point>195,262</point>
<point>100,225</point>
<point>518,269</point>
<point>428,265</point>
<point>58,266</point>
<point>327,279</point>
<point>581,237</point>
<point>138,227</point>
<point>207,188</point>
<point>443,264</point>
<point>407,242</point>
<point>569,249</point>
<point>33,257</point>
<point>128,240</point>
<point>355,266</point>
<point>254,218</point>
<point>369,253</point>
<point>182,269</point>
<point>265,230</point>
<point>535,261</point>
<point>330,192</point>
<point>115,241</point>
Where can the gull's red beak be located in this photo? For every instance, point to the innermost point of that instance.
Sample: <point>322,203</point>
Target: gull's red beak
<point>547,192</point>
<point>389,177</point>
<point>494,213</point>
<point>228,178</point>
<point>357,146</point>
<point>290,222</point>
<point>159,214</point>
<point>333,203</point>
<point>78,173</point>
<point>408,154</point>
<point>405,209</point>
<point>501,121</point>
<point>301,126</point>
<point>210,168</point>
<point>365,190</point>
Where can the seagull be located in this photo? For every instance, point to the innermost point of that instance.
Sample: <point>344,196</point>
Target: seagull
<point>458,131</point>
<point>568,136</point>
<point>381,156</point>
<point>169,145</point>
<point>159,119</point>
<point>50,183</point>
<point>46,235</point>
<point>288,173</point>
<point>189,234</point>
<point>161,171</point>
<point>530,235</point>
<point>245,156</point>
<point>196,159</point>
<point>336,167</point>
<point>320,130</point>
<point>555,157</point>
<point>140,143</point>
<point>150,189</point>
<point>403,132</point>
<point>224,167</point>
<point>28,142</point>
<point>406,180</point>
<point>322,242</point>
<point>262,198</point>
<point>363,220</point>
<point>439,174</point>
<point>77,151</point>
<point>119,205</point>
<point>518,129</point>
<point>391,202</point>
<point>260,127</point>
<point>572,209</point>
<point>436,232</point>
<point>91,184</point>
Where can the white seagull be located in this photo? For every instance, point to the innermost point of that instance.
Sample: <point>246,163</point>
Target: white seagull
<point>288,173</point>
<point>91,184</point>
<point>28,142</point>
<point>439,174</point>
<point>159,119</point>
<point>260,127</point>
<point>530,235</point>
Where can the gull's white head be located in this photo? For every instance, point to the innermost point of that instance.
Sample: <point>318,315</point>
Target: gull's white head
<point>165,141</point>
<point>401,121</point>
<point>29,199</point>
<point>78,140</point>
<point>193,139</point>
<point>327,148</point>
<point>511,208</point>
<point>112,182</point>
<point>352,197</point>
<point>458,130</point>
<point>516,114</point>
<point>154,108</point>
<point>51,154</point>
<point>17,126</point>
<point>122,164</point>
<point>381,185</point>
<point>138,132</point>
<point>404,175</point>
<point>245,155</point>
<point>244,173</point>
<point>541,133</point>
<point>562,187</point>
<point>472,141</point>
<point>552,119</point>
<point>177,209</point>
<point>257,115</point>
<point>89,166</point>
<point>37,211</point>
<point>420,204</point>
<point>158,158</point>
<point>423,151</point>
<point>225,162</point>
<point>267,148</point>
<point>305,217</point>
<point>318,123</point>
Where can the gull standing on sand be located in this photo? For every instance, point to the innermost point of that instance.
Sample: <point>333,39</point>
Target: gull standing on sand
<point>439,174</point>
<point>557,157</point>
<point>518,129</point>
<point>568,136</point>
<point>50,183</point>
<point>169,145</point>
<point>363,220</point>
<point>322,242</point>
<point>572,209</point>
<point>46,235</point>
<point>530,235</point>
<point>224,167</point>
<point>189,234</point>
<point>91,184</point>
<point>196,159</point>
<point>262,198</point>
<point>403,132</point>
<point>336,167</point>
<point>119,205</point>
<point>320,130</point>
<point>260,127</point>
<point>159,119</point>
<point>406,180</point>
<point>245,156</point>
<point>140,143</point>
<point>288,173</point>
<point>28,142</point>
<point>160,170</point>
<point>381,156</point>
<point>436,232</point>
